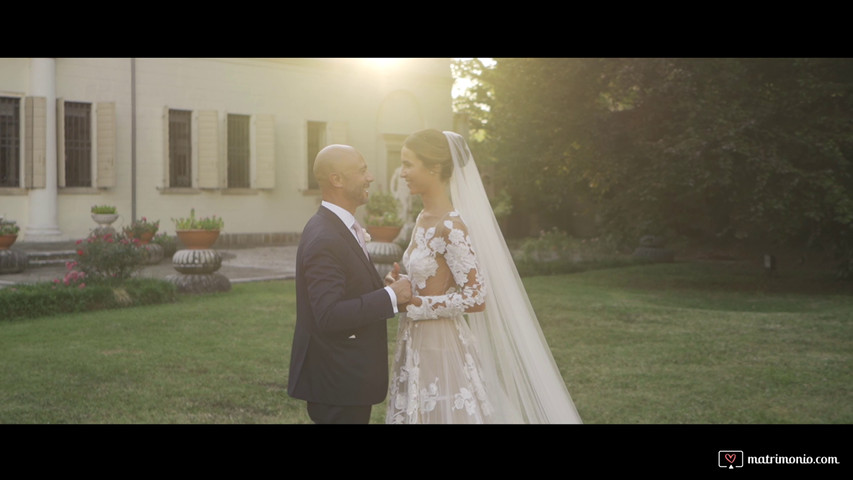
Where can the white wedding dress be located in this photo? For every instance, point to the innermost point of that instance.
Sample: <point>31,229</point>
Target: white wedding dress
<point>437,376</point>
<point>493,366</point>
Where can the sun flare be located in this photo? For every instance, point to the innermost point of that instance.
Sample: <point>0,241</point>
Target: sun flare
<point>383,63</point>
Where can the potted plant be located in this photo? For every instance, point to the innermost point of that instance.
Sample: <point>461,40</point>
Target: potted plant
<point>142,229</point>
<point>198,233</point>
<point>103,209</point>
<point>8,233</point>
<point>383,217</point>
<point>104,215</point>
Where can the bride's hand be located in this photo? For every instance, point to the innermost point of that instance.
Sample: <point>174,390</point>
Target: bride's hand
<point>393,275</point>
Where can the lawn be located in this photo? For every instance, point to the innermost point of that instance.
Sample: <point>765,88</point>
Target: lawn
<point>679,343</point>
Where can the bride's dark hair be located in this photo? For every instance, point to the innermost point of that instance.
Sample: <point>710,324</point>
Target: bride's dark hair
<point>431,147</point>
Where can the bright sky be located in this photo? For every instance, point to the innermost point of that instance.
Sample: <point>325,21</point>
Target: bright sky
<point>459,86</point>
<point>462,84</point>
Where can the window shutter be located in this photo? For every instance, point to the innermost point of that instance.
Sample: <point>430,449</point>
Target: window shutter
<point>35,141</point>
<point>208,149</point>
<point>105,116</point>
<point>60,142</point>
<point>263,150</point>
<point>337,133</point>
<point>166,160</point>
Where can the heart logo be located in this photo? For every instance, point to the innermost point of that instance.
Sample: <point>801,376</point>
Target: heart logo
<point>730,457</point>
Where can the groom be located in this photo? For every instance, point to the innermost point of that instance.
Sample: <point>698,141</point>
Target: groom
<point>339,360</point>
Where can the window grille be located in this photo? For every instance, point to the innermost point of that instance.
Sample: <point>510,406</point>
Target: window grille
<point>238,151</point>
<point>78,144</point>
<point>10,141</point>
<point>180,151</point>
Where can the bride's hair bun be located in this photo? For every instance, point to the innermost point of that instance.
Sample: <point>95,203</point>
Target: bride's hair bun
<point>431,147</point>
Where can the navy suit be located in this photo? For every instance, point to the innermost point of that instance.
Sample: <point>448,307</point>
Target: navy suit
<point>340,344</point>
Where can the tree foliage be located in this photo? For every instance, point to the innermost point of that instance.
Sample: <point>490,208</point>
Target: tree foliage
<point>722,150</point>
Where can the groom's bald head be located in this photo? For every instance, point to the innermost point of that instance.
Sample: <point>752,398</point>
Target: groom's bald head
<point>342,175</point>
<point>332,160</point>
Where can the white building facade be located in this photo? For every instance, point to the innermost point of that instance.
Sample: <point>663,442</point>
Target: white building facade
<point>231,137</point>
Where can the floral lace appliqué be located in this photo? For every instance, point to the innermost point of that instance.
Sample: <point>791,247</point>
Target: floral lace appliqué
<point>436,376</point>
<point>453,245</point>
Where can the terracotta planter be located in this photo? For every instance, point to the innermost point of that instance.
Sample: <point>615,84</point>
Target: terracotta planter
<point>6,241</point>
<point>144,238</point>
<point>383,234</point>
<point>198,239</point>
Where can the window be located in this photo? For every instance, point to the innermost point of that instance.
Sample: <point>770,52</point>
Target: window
<point>10,141</point>
<point>180,149</point>
<point>78,144</point>
<point>238,151</point>
<point>86,143</point>
<point>206,151</point>
<point>393,146</point>
<point>316,142</point>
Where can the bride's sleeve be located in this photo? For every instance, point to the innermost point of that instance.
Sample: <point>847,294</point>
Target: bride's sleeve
<point>469,293</point>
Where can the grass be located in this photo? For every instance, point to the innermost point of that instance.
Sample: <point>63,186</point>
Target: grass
<point>701,343</point>
<point>681,343</point>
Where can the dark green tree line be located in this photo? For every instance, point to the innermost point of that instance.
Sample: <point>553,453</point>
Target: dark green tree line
<point>718,151</point>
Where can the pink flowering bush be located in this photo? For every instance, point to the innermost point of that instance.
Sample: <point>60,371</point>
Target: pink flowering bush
<point>73,277</point>
<point>113,257</point>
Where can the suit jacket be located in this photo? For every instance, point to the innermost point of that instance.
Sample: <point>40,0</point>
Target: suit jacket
<point>340,344</point>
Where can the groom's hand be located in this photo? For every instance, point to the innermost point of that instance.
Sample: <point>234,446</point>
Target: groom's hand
<point>401,285</point>
<point>403,289</point>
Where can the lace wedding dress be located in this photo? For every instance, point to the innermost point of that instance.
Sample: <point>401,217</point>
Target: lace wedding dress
<point>437,375</point>
<point>493,366</point>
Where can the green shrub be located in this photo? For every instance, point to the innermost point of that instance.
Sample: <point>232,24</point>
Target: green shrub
<point>844,255</point>
<point>168,242</point>
<point>52,298</point>
<point>531,268</point>
<point>554,252</point>
<point>844,270</point>
<point>554,245</point>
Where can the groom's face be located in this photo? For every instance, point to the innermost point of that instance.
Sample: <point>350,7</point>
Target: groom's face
<point>356,180</point>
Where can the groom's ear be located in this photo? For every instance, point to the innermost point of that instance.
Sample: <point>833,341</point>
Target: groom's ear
<point>336,180</point>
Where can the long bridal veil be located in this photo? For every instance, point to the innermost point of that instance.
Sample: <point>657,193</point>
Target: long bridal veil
<point>515,354</point>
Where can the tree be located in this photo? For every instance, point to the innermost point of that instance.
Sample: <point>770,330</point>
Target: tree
<point>710,150</point>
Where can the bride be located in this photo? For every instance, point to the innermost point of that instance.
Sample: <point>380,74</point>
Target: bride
<point>469,348</point>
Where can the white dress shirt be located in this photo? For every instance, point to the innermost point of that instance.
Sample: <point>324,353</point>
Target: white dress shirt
<point>349,221</point>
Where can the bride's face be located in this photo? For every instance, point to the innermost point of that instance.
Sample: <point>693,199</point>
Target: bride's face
<point>417,176</point>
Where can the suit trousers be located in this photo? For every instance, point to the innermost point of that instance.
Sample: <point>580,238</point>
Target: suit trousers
<point>323,414</point>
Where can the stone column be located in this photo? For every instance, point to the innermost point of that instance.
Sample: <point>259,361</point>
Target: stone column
<point>42,225</point>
